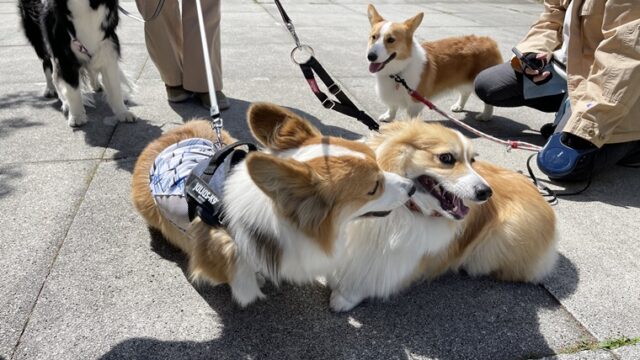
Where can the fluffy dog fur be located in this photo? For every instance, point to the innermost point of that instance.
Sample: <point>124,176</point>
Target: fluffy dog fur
<point>285,211</point>
<point>430,68</point>
<point>466,214</point>
<point>60,31</point>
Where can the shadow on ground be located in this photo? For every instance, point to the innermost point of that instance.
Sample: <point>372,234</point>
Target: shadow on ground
<point>236,124</point>
<point>455,317</point>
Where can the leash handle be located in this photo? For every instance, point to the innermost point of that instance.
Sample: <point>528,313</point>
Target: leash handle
<point>214,111</point>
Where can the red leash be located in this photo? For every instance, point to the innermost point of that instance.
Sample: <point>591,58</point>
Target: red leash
<point>511,144</point>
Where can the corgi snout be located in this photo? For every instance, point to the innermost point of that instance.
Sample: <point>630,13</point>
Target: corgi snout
<point>372,56</point>
<point>482,192</point>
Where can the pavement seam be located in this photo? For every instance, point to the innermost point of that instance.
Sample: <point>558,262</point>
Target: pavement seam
<point>64,238</point>
<point>55,258</point>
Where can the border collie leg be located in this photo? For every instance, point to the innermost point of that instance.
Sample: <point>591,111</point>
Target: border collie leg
<point>67,77</point>
<point>50,89</point>
<point>94,83</point>
<point>113,87</point>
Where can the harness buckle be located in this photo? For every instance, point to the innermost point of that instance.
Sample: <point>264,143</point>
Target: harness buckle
<point>334,89</point>
<point>328,104</point>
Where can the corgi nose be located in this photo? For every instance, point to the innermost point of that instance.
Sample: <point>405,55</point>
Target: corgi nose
<point>483,192</point>
<point>412,190</point>
<point>372,56</point>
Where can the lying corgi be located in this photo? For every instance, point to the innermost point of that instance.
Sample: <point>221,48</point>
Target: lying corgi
<point>466,214</point>
<point>285,211</point>
<point>430,68</point>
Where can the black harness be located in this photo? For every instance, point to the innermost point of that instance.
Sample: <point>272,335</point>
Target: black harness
<point>203,199</point>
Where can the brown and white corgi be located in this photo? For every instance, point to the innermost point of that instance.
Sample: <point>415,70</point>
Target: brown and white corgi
<point>465,214</point>
<point>430,68</point>
<point>285,210</point>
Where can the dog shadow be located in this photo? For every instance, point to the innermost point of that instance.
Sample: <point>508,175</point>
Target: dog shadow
<point>454,317</point>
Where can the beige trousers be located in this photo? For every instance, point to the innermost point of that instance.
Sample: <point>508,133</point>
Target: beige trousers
<point>174,43</point>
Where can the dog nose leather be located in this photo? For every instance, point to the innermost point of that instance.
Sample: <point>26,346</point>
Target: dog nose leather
<point>372,56</point>
<point>412,190</point>
<point>483,193</point>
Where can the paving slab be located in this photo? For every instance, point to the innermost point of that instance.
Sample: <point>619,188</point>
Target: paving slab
<point>37,203</point>
<point>584,355</point>
<point>628,352</point>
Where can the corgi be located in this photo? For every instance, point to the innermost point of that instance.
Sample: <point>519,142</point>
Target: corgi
<point>285,210</point>
<point>430,68</point>
<point>76,41</point>
<point>466,214</point>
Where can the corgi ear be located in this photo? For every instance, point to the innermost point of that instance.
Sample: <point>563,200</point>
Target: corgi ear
<point>278,128</point>
<point>374,16</point>
<point>414,22</point>
<point>293,186</point>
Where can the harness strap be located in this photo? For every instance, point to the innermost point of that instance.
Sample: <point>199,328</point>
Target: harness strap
<point>201,199</point>
<point>343,104</point>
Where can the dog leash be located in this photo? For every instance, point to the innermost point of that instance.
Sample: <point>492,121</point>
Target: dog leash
<point>214,111</point>
<point>311,67</point>
<point>511,144</point>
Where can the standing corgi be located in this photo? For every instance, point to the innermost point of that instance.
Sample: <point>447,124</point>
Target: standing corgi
<point>430,68</point>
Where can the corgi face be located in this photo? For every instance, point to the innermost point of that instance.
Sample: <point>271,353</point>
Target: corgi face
<point>389,43</point>
<point>439,161</point>
<point>317,182</point>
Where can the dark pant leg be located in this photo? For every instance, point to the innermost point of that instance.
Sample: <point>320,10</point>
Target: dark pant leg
<point>501,86</point>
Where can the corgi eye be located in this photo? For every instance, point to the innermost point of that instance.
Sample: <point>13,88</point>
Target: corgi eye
<point>447,158</point>
<point>391,40</point>
<point>473,160</point>
<point>374,36</point>
<point>375,188</point>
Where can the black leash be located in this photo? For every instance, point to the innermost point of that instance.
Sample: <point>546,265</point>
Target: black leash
<point>311,67</point>
<point>550,195</point>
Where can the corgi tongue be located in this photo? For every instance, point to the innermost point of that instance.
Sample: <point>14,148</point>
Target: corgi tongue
<point>375,67</point>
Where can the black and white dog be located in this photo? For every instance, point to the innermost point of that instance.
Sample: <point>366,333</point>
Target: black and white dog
<point>77,39</point>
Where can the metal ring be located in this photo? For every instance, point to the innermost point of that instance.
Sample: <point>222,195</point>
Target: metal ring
<point>302,49</point>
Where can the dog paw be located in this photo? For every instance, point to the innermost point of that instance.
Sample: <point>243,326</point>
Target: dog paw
<point>340,303</point>
<point>64,107</point>
<point>244,299</point>
<point>386,117</point>
<point>77,120</point>
<point>483,117</point>
<point>49,93</point>
<point>457,108</point>
<point>126,116</point>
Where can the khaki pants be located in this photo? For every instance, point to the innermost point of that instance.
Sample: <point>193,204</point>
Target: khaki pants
<point>175,47</point>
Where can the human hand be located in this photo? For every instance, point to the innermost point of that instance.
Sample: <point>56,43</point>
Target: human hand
<point>533,65</point>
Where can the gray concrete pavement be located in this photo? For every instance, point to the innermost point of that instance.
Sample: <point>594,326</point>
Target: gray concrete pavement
<point>82,277</point>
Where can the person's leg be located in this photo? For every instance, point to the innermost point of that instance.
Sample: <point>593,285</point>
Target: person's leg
<point>194,73</point>
<point>500,85</point>
<point>163,36</point>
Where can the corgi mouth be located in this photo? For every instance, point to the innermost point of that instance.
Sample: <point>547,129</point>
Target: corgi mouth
<point>374,67</point>
<point>376,214</point>
<point>449,202</point>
